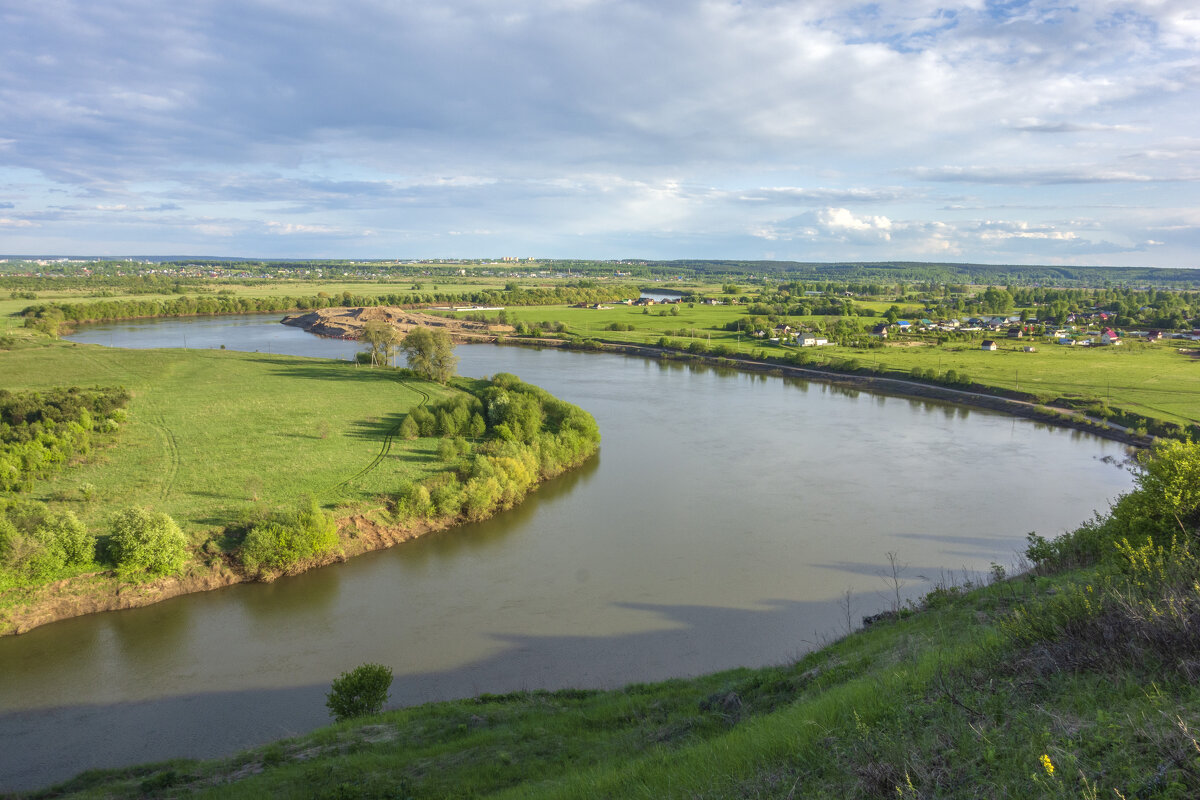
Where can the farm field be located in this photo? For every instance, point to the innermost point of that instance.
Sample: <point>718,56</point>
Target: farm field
<point>1158,380</point>
<point>212,433</point>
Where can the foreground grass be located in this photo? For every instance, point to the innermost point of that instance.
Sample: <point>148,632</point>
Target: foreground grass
<point>932,705</point>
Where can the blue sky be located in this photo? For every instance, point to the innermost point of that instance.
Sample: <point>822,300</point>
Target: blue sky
<point>995,132</point>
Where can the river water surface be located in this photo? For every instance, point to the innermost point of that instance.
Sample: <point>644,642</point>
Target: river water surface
<point>723,519</point>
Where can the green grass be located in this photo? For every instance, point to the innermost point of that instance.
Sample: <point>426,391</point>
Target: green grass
<point>1153,380</point>
<point>211,433</point>
<point>936,704</point>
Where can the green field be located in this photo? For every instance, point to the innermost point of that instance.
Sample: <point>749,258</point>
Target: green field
<point>1153,380</point>
<point>212,433</point>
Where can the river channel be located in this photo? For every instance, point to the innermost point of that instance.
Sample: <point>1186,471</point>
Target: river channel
<point>722,523</point>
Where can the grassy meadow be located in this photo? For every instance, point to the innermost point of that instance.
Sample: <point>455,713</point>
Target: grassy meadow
<point>211,433</point>
<point>1155,380</point>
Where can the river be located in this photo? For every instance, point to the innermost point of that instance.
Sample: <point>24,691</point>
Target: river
<point>722,524</point>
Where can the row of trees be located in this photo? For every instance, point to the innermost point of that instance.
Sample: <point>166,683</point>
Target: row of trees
<point>428,351</point>
<point>49,316</point>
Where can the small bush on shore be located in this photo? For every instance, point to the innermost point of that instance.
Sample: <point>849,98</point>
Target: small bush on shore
<point>278,543</point>
<point>146,544</point>
<point>359,692</point>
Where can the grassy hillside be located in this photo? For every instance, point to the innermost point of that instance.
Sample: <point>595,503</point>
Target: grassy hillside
<point>938,704</point>
<point>1077,679</point>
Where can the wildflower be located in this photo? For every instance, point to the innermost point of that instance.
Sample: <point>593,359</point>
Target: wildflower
<point>1047,765</point>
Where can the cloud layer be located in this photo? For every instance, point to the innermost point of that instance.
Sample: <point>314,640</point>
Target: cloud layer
<point>1021,132</point>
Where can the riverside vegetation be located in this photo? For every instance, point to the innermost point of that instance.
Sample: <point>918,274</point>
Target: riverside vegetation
<point>128,486</point>
<point>1075,679</point>
<point>1150,388</point>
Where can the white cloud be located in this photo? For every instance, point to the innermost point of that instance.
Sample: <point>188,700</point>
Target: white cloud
<point>685,124</point>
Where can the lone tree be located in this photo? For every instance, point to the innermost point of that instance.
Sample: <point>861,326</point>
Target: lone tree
<point>430,353</point>
<point>381,339</point>
<point>359,692</point>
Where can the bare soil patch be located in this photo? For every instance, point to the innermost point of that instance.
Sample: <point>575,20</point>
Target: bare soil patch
<point>348,323</point>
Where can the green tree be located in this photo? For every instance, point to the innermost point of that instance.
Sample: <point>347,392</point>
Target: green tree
<point>146,544</point>
<point>430,353</point>
<point>381,339</point>
<point>359,692</point>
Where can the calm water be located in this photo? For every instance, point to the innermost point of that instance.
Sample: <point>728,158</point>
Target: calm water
<point>721,522</point>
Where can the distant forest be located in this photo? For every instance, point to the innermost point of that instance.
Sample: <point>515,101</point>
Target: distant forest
<point>25,273</point>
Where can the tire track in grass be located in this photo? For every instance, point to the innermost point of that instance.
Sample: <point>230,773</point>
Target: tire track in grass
<point>172,448</point>
<point>386,448</point>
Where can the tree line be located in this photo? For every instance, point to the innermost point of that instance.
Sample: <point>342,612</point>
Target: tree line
<point>49,316</point>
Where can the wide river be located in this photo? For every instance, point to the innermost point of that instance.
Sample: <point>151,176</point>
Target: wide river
<point>722,524</point>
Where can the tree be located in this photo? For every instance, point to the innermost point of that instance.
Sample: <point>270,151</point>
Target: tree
<point>381,339</point>
<point>430,353</point>
<point>361,691</point>
<point>146,544</point>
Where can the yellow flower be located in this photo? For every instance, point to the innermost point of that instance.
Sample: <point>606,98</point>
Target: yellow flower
<point>1047,765</point>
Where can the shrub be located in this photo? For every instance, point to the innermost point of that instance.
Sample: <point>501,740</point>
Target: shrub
<point>359,692</point>
<point>146,544</point>
<point>289,538</point>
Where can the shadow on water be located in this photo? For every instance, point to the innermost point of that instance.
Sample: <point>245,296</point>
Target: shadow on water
<point>42,746</point>
<point>316,592</point>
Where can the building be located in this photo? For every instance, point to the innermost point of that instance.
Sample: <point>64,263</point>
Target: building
<point>988,344</point>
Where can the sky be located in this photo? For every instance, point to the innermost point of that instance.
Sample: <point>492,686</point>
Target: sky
<point>990,132</point>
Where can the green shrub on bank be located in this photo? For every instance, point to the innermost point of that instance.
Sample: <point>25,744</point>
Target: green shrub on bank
<point>146,544</point>
<point>359,692</point>
<point>527,435</point>
<point>1143,605</point>
<point>37,544</point>
<point>1164,503</point>
<point>276,544</point>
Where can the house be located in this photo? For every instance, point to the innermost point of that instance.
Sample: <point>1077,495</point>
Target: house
<point>880,331</point>
<point>806,339</point>
<point>1067,340</point>
<point>903,324</point>
<point>988,344</point>
<point>1109,336</point>
<point>1154,336</point>
<point>1015,333</point>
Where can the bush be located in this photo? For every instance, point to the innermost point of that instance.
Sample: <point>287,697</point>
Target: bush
<point>279,543</point>
<point>359,692</point>
<point>146,544</point>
